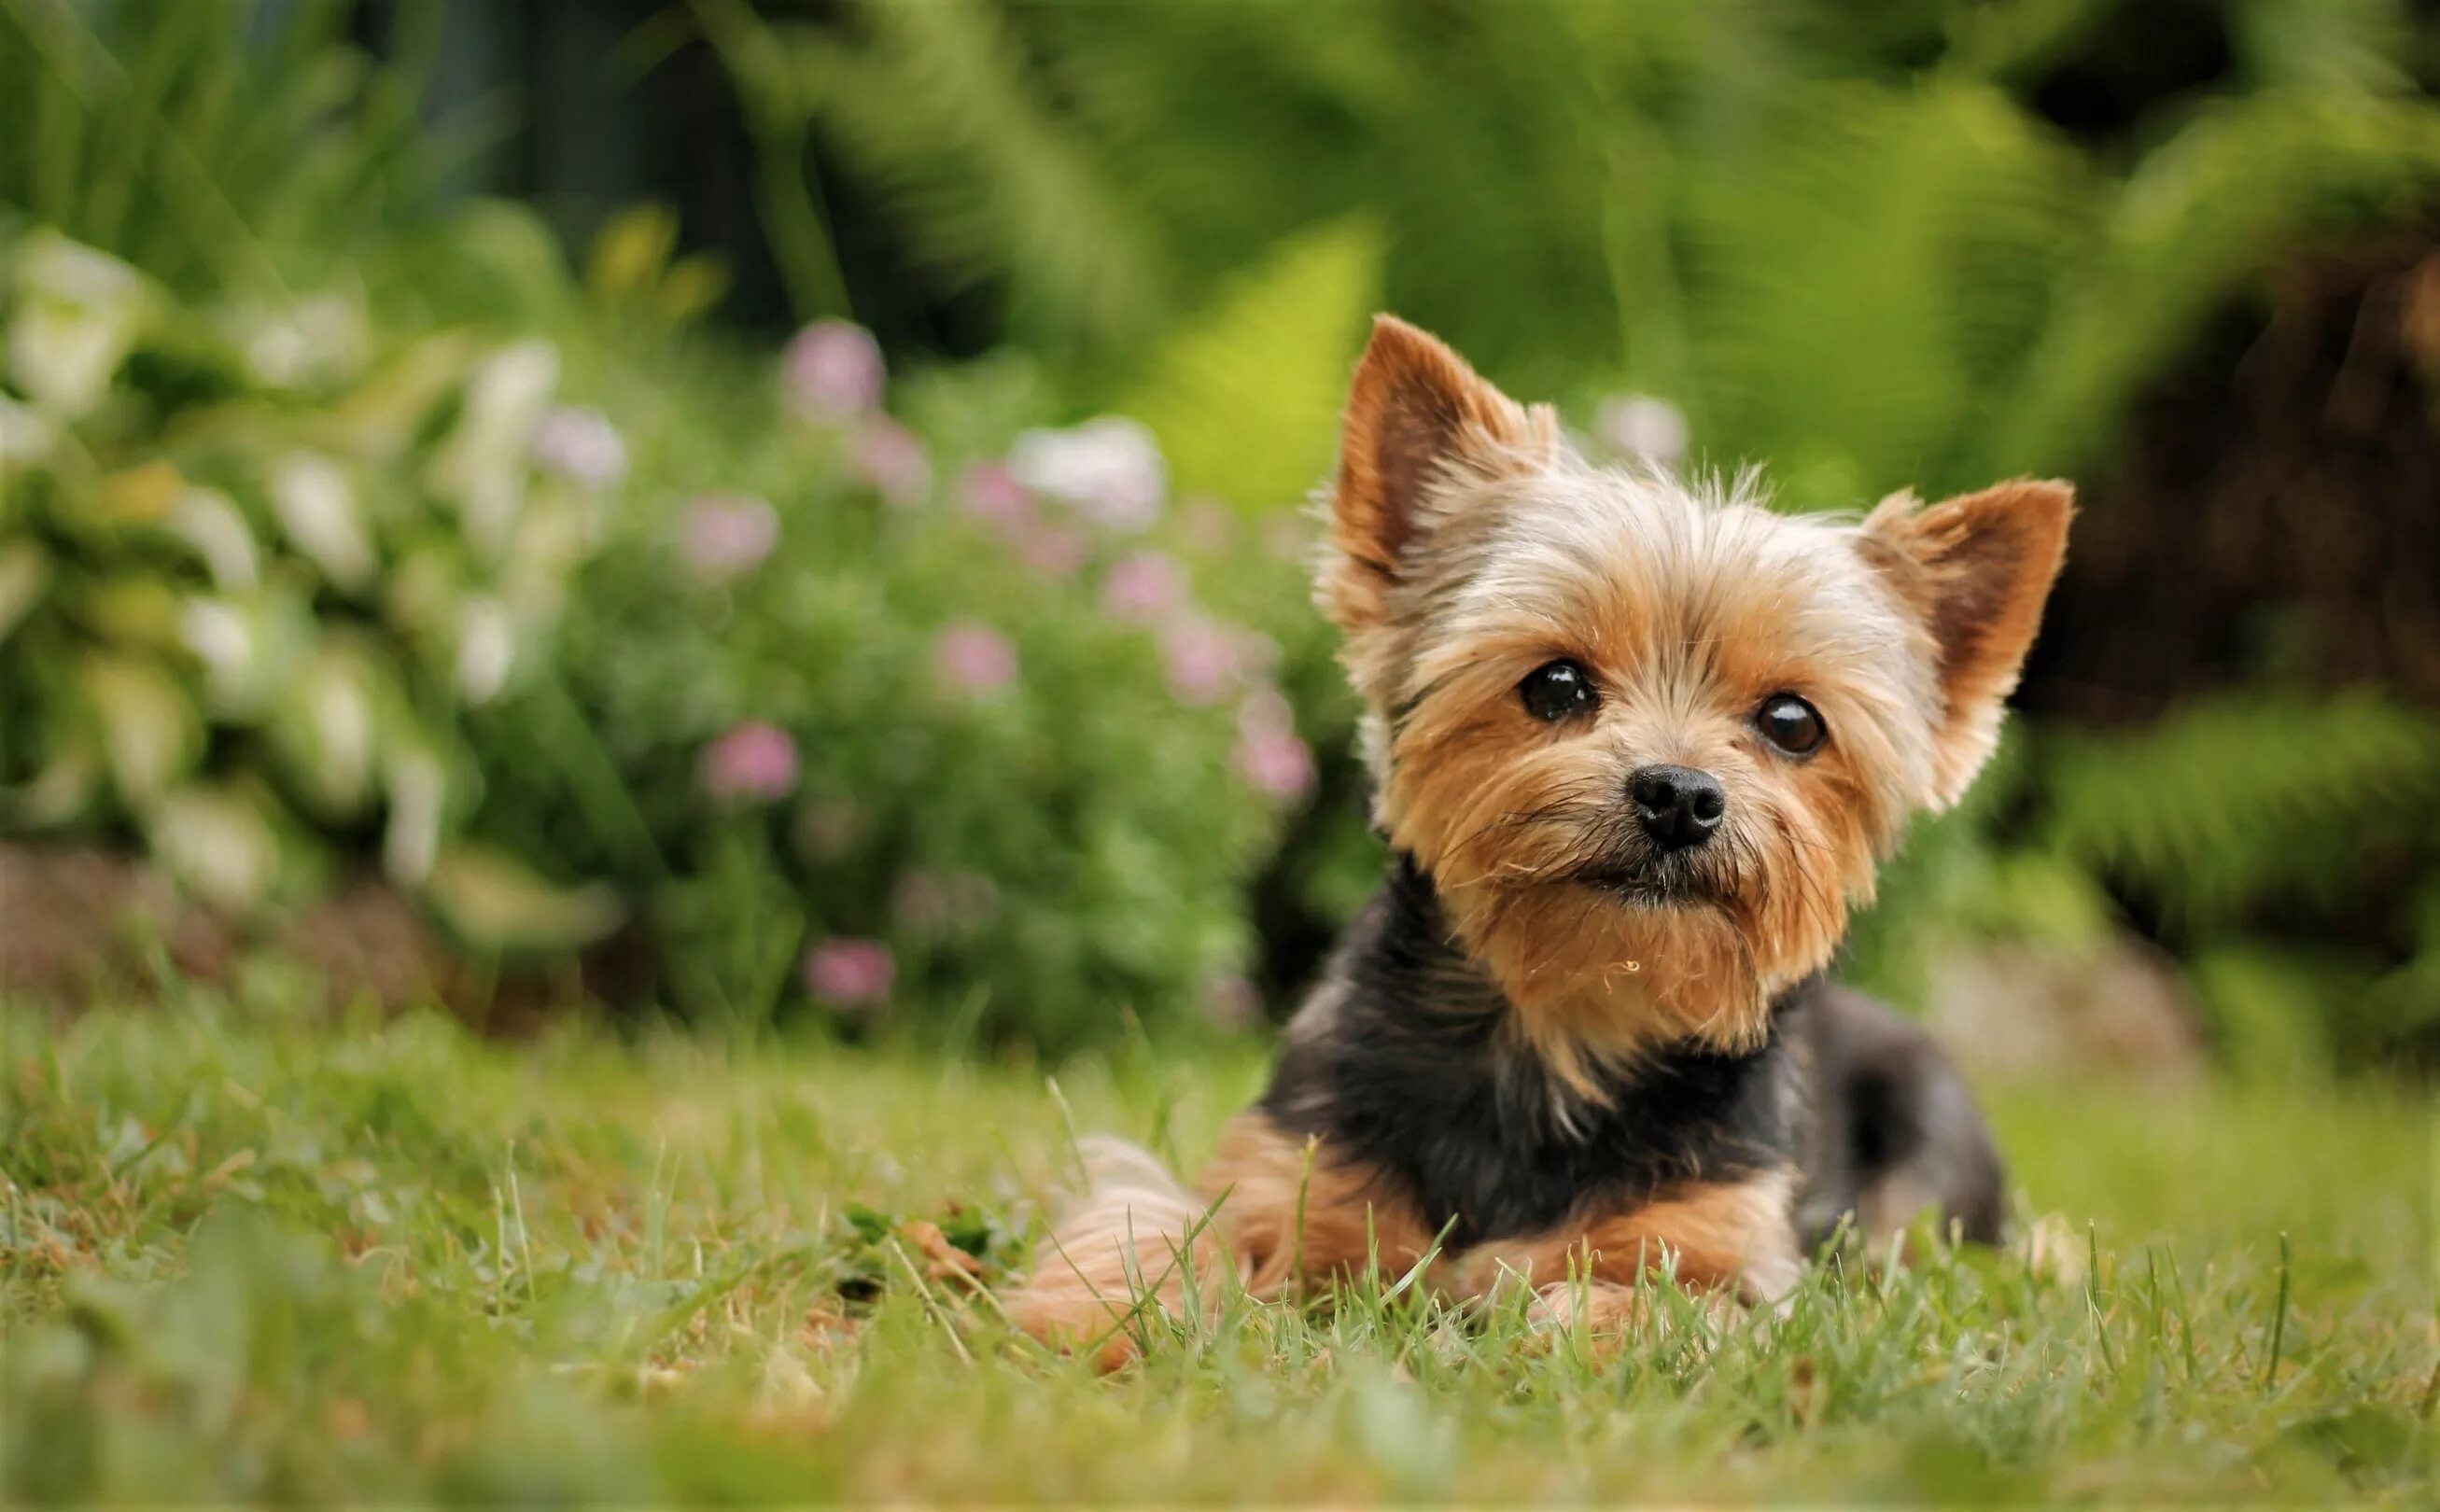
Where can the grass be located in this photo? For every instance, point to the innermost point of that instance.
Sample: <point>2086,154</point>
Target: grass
<point>244,1255</point>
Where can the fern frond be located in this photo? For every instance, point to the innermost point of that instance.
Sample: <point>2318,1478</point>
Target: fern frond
<point>936,105</point>
<point>1858,286</point>
<point>1244,397</point>
<point>2245,797</point>
<point>2241,186</point>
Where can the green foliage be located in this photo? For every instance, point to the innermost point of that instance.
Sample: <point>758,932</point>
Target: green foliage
<point>305,563</point>
<point>926,94</point>
<point>1858,292</point>
<point>2241,801</point>
<point>270,617</point>
<point>1845,245</point>
<point>1269,359</point>
<point>2213,208</point>
<point>1851,248</point>
<point>1875,283</point>
<point>2233,813</point>
<point>1021,848</point>
<point>214,143</point>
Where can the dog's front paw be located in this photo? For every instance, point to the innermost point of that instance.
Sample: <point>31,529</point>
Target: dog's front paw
<point>1603,1314</point>
<point>1607,1314</point>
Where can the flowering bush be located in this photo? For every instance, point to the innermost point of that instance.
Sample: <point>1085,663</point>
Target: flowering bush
<point>903,717</point>
<point>893,719</point>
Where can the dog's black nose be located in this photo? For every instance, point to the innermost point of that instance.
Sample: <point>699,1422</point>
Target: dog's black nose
<point>1678,805</point>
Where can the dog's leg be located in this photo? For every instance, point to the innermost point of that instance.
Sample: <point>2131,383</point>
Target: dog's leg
<point>1898,1131</point>
<point>1134,1245</point>
<point>1727,1242</point>
<point>1300,1213</point>
<point>1269,1213</point>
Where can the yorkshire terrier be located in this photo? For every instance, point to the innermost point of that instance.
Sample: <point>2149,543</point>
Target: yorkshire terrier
<point>1638,746</point>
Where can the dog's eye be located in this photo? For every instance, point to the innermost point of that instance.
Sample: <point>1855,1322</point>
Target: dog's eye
<point>1791,724</point>
<point>1555,690</point>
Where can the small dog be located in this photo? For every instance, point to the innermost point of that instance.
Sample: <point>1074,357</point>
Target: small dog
<point>1637,747</point>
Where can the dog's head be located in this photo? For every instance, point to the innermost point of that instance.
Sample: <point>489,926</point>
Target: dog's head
<point>1649,741</point>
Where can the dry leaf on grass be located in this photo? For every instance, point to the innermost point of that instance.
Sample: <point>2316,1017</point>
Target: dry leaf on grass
<point>942,1259</point>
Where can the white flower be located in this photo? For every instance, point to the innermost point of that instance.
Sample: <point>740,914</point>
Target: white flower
<point>1109,470</point>
<point>317,507</point>
<point>1643,427</point>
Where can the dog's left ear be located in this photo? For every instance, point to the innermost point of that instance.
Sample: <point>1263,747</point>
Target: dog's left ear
<point>1975,571</point>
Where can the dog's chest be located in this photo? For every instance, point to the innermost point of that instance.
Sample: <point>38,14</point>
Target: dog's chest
<point>1484,1150</point>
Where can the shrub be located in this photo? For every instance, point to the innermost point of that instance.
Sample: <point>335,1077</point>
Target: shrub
<point>843,701</point>
<point>837,710</point>
<point>259,562</point>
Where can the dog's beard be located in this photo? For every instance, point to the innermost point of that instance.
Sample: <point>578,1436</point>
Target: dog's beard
<point>1706,877</point>
<point>1602,964</point>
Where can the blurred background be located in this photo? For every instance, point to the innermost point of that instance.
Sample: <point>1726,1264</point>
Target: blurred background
<point>792,512</point>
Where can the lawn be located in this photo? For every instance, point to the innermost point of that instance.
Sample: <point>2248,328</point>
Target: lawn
<point>247,1255</point>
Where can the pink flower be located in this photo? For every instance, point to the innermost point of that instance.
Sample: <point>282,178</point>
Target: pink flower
<point>1052,551</point>
<point>725,534</point>
<point>993,494</point>
<point>1142,587</point>
<point>756,762</point>
<point>1202,661</point>
<point>893,461</point>
<point>1274,761</point>
<point>581,445</point>
<point>1640,427</point>
<point>1109,470</point>
<point>848,973</point>
<point>832,370</point>
<point>974,657</point>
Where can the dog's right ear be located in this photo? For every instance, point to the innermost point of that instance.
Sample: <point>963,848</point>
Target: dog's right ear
<point>1417,418</point>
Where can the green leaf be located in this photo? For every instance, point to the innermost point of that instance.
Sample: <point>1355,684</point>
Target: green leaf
<point>151,734</point>
<point>2241,186</point>
<point>2240,797</point>
<point>76,312</point>
<point>24,572</point>
<point>491,899</point>
<point>1856,286</point>
<point>217,843</point>
<point>1244,397</point>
